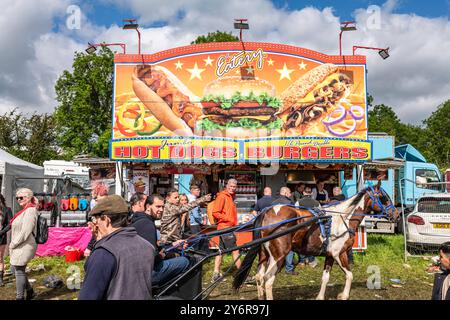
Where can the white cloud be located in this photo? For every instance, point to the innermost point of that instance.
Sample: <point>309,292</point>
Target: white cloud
<point>22,22</point>
<point>414,80</point>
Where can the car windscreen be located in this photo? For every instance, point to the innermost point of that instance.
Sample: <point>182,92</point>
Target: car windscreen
<point>434,205</point>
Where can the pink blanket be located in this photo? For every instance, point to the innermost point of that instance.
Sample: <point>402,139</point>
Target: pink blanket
<point>59,238</point>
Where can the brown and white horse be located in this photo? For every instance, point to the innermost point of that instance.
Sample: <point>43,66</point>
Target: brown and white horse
<point>345,218</point>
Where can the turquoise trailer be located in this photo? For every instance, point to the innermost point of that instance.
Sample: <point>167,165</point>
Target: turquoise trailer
<point>406,175</point>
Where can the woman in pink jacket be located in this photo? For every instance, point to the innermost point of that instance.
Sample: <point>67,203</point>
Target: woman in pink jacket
<point>23,244</point>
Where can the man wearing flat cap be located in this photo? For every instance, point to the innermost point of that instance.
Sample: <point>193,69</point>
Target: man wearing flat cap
<point>121,263</point>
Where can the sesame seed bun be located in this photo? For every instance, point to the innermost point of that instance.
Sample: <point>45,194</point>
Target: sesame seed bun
<point>227,86</point>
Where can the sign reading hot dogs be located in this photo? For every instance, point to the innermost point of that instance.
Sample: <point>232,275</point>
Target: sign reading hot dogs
<point>175,149</point>
<point>191,150</point>
<point>218,92</point>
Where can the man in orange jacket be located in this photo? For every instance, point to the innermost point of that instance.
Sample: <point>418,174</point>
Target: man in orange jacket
<point>225,213</point>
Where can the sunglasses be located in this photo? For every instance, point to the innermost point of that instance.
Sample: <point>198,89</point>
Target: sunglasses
<point>20,198</point>
<point>95,218</point>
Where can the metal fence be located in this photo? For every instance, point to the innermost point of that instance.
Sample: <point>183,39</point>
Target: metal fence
<point>427,225</point>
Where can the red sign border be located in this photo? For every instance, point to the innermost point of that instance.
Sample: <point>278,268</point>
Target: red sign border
<point>231,46</point>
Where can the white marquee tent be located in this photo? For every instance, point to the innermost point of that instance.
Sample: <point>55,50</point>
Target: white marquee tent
<point>16,173</point>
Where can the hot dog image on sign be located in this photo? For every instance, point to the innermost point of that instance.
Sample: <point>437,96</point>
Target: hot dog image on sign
<point>259,92</point>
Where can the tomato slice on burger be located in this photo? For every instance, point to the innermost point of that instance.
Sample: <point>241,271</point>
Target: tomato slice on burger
<point>248,104</point>
<point>209,104</point>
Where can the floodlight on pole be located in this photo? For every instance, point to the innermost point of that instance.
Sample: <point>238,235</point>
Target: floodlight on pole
<point>241,24</point>
<point>345,26</point>
<point>132,25</point>
<point>92,47</point>
<point>383,52</point>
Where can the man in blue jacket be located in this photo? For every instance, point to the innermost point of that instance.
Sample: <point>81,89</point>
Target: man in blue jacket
<point>264,202</point>
<point>121,263</point>
<point>196,219</point>
<point>441,287</point>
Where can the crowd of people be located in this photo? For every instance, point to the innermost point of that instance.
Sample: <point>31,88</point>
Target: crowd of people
<point>128,257</point>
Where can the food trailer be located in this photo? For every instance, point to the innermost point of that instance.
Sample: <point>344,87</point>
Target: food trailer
<point>266,114</point>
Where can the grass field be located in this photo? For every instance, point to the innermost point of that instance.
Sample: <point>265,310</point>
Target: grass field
<point>384,252</point>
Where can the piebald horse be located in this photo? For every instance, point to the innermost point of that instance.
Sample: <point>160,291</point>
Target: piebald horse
<point>308,240</point>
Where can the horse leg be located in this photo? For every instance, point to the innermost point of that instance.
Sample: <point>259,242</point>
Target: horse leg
<point>259,277</point>
<point>325,277</point>
<point>270,277</point>
<point>342,260</point>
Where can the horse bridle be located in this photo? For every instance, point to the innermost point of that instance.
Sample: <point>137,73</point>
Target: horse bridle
<point>374,196</point>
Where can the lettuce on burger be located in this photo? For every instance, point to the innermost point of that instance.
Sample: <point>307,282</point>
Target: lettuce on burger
<point>233,103</point>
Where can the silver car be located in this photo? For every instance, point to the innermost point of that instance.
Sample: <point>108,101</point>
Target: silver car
<point>428,225</point>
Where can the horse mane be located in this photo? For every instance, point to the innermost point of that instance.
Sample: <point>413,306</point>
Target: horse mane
<point>359,196</point>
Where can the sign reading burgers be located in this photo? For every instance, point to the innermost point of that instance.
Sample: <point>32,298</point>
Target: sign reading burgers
<point>240,107</point>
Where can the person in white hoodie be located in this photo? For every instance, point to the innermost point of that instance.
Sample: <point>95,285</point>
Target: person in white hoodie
<point>23,244</point>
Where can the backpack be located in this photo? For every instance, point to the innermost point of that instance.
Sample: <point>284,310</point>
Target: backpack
<point>83,204</point>
<point>65,203</point>
<point>73,203</point>
<point>41,235</point>
<point>209,211</point>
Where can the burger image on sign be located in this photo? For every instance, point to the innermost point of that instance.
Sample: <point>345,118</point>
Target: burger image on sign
<point>240,107</point>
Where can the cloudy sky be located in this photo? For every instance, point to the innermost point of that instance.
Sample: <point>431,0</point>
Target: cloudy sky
<point>38,39</point>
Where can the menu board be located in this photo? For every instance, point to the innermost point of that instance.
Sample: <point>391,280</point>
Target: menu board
<point>139,181</point>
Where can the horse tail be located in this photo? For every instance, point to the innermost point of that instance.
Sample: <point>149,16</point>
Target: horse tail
<point>242,273</point>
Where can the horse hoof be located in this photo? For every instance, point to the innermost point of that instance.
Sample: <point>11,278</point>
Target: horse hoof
<point>320,298</point>
<point>341,296</point>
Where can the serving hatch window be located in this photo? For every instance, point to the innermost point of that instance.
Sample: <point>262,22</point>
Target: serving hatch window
<point>434,205</point>
<point>375,174</point>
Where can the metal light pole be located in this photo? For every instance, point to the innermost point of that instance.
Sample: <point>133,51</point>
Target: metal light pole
<point>131,24</point>
<point>241,24</point>
<point>93,46</point>
<point>345,26</point>
<point>383,52</point>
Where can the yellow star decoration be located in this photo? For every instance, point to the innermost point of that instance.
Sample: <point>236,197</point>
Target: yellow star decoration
<point>178,65</point>
<point>302,65</point>
<point>285,72</point>
<point>270,62</point>
<point>250,70</point>
<point>208,61</point>
<point>195,72</point>
<point>238,71</point>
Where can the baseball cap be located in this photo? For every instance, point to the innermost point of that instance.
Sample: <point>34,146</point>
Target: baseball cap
<point>113,204</point>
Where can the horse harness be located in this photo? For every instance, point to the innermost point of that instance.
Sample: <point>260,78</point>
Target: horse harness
<point>324,225</point>
<point>376,200</point>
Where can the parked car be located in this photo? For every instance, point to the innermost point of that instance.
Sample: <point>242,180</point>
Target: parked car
<point>428,225</point>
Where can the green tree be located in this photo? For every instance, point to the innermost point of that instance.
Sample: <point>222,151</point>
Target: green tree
<point>11,131</point>
<point>41,139</point>
<point>436,139</point>
<point>83,116</point>
<point>217,36</point>
<point>383,119</point>
<point>30,138</point>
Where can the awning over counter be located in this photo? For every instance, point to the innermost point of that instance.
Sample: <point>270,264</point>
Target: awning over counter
<point>385,164</point>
